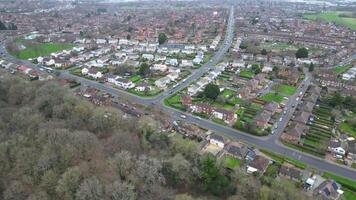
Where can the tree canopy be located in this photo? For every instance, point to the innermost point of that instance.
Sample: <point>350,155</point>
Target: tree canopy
<point>2,26</point>
<point>55,145</point>
<point>212,91</point>
<point>301,53</point>
<point>162,38</point>
<point>144,69</point>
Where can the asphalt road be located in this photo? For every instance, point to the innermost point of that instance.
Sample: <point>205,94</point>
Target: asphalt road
<point>270,143</point>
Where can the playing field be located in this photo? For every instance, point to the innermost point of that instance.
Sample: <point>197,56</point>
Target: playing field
<point>36,50</point>
<point>334,17</point>
<point>286,90</point>
<point>342,69</point>
<point>272,97</point>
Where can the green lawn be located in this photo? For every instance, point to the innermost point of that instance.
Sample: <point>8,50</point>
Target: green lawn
<point>349,195</point>
<point>153,92</point>
<point>345,128</point>
<point>272,97</point>
<point>341,69</point>
<point>228,93</point>
<point>231,162</point>
<point>333,17</point>
<point>135,79</point>
<point>36,50</point>
<point>247,74</point>
<point>278,46</point>
<point>76,71</point>
<point>284,89</point>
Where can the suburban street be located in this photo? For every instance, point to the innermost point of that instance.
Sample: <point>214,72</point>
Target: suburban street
<point>270,143</point>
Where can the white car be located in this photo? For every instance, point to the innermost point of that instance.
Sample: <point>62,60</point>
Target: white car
<point>280,119</point>
<point>183,116</point>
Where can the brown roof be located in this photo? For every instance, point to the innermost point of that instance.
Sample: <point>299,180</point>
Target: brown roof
<point>261,163</point>
<point>295,129</point>
<point>302,117</point>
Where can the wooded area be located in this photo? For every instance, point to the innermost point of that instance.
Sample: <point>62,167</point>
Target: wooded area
<point>55,145</point>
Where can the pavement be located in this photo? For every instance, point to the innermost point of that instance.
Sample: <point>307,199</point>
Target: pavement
<point>270,143</point>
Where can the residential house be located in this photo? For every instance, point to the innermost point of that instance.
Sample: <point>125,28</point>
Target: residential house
<point>217,140</point>
<point>172,62</point>
<point>202,108</point>
<point>197,60</point>
<point>225,115</point>
<point>173,76</point>
<point>306,106</point>
<point>271,107</point>
<point>94,73</point>
<point>141,87</point>
<point>162,82</point>
<point>294,132</point>
<point>186,100</point>
<point>148,57</point>
<point>259,164</point>
<point>311,98</point>
<point>244,92</point>
<point>351,152</point>
<point>290,172</point>
<point>301,117</point>
<point>186,63</point>
<point>290,75</point>
<point>159,67</point>
<point>24,69</point>
<point>193,89</point>
<point>261,119</point>
<point>236,150</point>
<point>328,189</point>
<point>337,148</point>
<point>160,58</point>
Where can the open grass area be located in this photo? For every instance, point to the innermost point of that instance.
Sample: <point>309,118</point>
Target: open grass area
<point>272,97</point>
<point>349,195</point>
<point>335,18</point>
<point>347,129</point>
<point>247,74</point>
<point>135,79</point>
<point>174,101</point>
<point>153,92</point>
<point>284,89</point>
<point>231,162</point>
<point>76,71</point>
<point>341,69</point>
<point>278,46</point>
<point>36,50</point>
<point>228,93</point>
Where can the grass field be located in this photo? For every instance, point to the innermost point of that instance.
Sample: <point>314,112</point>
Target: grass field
<point>228,93</point>
<point>36,50</point>
<point>345,128</point>
<point>333,17</point>
<point>247,74</point>
<point>272,97</point>
<point>284,89</point>
<point>231,162</point>
<point>174,101</point>
<point>135,79</point>
<point>341,69</point>
<point>278,46</point>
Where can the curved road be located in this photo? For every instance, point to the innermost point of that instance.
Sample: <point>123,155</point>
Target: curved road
<point>270,143</point>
